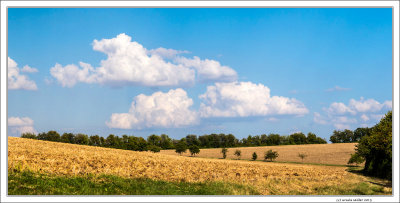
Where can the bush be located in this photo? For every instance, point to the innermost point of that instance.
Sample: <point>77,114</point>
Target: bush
<point>194,149</point>
<point>28,135</point>
<point>271,155</point>
<point>254,156</point>
<point>302,156</point>
<point>238,153</point>
<point>356,158</point>
<point>81,139</point>
<point>224,151</point>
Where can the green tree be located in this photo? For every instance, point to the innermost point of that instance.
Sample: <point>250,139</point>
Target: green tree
<point>154,148</point>
<point>254,156</point>
<point>312,138</point>
<point>271,155</point>
<point>360,133</point>
<point>68,138</point>
<point>238,153</point>
<point>194,149</point>
<point>81,139</point>
<point>154,140</point>
<point>166,142</point>
<point>29,135</point>
<point>224,151</point>
<point>94,140</point>
<point>181,147</point>
<point>376,149</point>
<point>356,158</point>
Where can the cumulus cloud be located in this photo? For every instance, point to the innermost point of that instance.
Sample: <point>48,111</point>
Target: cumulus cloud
<point>166,53</point>
<point>129,63</point>
<point>162,110</point>
<point>209,70</point>
<point>246,99</point>
<point>21,125</point>
<point>28,69</point>
<point>18,81</point>
<point>361,112</point>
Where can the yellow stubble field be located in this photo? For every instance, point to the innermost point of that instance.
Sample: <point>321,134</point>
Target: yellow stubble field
<point>337,154</point>
<point>266,177</point>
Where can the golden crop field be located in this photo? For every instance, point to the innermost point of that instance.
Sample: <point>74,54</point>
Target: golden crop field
<point>338,154</point>
<point>266,177</point>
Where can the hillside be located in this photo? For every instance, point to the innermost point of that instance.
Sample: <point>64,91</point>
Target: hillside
<point>337,154</point>
<point>68,160</point>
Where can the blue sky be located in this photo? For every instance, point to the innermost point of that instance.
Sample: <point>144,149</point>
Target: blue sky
<point>241,71</point>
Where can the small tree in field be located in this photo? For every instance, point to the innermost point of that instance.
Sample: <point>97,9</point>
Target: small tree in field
<point>254,156</point>
<point>271,155</point>
<point>238,153</point>
<point>180,148</point>
<point>194,149</point>
<point>224,151</point>
<point>302,156</point>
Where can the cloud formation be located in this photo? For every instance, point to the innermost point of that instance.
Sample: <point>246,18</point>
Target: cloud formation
<point>160,110</point>
<point>246,99</point>
<point>21,125</point>
<point>129,63</point>
<point>363,112</point>
<point>337,88</point>
<point>18,81</point>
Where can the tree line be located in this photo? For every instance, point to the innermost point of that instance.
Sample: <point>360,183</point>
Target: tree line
<point>157,142</point>
<point>348,136</point>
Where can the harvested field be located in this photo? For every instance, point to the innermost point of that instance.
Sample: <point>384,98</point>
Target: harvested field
<point>337,154</point>
<point>266,177</point>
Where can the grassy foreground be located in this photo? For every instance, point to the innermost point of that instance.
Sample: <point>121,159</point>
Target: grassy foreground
<point>30,183</point>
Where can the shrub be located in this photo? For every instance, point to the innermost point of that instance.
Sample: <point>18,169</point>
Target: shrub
<point>224,151</point>
<point>254,156</point>
<point>238,153</point>
<point>302,156</point>
<point>271,155</point>
<point>356,159</point>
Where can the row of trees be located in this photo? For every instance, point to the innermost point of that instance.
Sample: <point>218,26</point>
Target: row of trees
<point>157,142</point>
<point>375,148</point>
<point>348,136</point>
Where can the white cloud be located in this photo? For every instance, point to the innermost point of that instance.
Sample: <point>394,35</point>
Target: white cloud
<point>369,105</point>
<point>338,108</point>
<point>165,110</point>
<point>319,119</point>
<point>129,63</point>
<point>16,80</point>
<point>246,99</point>
<point>29,69</point>
<point>21,125</point>
<point>341,116</point>
<point>166,53</point>
<point>337,88</point>
<point>364,117</point>
<point>209,70</point>
<point>341,126</point>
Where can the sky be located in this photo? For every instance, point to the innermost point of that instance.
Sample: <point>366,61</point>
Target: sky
<point>245,71</point>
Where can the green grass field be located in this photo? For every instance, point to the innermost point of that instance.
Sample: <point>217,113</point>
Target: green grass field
<point>29,183</point>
